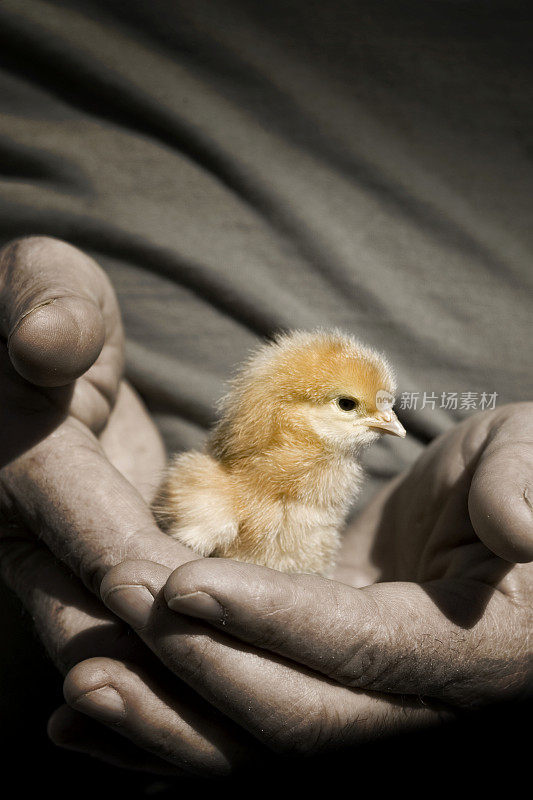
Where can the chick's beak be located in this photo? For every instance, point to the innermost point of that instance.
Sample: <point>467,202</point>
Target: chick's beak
<point>388,422</point>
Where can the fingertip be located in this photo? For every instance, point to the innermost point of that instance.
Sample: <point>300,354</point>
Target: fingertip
<point>186,578</point>
<point>133,572</point>
<point>84,677</point>
<point>204,576</point>
<point>64,726</point>
<point>58,341</point>
<point>89,687</point>
<point>205,573</point>
<point>216,589</point>
<point>500,504</point>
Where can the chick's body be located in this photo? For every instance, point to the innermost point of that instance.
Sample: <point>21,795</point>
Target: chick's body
<point>281,469</point>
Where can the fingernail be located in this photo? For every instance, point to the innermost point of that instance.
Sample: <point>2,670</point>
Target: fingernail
<point>105,704</point>
<point>197,604</point>
<point>132,603</point>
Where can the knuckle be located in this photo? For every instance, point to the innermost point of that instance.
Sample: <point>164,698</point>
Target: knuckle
<point>188,657</point>
<point>267,638</point>
<point>25,249</point>
<point>14,247</point>
<point>370,658</point>
<point>32,245</point>
<point>271,620</point>
<point>364,667</point>
<point>309,729</point>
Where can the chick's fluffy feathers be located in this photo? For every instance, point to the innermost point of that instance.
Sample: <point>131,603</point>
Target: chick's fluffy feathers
<point>277,478</point>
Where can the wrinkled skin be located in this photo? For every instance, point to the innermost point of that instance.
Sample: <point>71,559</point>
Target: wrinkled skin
<point>431,599</point>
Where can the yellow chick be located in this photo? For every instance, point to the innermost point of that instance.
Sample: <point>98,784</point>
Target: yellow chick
<point>281,468</point>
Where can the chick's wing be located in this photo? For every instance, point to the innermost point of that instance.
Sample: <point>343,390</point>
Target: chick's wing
<point>195,503</point>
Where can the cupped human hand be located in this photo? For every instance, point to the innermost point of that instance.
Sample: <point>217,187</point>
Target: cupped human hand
<point>64,472</point>
<point>432,611</point>
<point>79,460</point>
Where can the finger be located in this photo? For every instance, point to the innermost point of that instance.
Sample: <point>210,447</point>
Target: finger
<point>500,501</point>
<point>74,731</point>
<point>124,697</point>
<point>55,304</point>
<point>143,460</point>
<point>394,637</point>
<point>74,627</point>
<point>283,705</point>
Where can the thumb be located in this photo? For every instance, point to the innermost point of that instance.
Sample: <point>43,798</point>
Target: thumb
<point>500,500</point>
<point>390,637</point>
<point>52,304</point>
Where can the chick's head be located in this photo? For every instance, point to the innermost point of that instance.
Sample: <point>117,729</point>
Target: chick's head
<point>324,388</point>
<point>338,390</point>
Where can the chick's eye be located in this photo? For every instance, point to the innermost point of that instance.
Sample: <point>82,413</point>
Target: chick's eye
<point>347,403</point>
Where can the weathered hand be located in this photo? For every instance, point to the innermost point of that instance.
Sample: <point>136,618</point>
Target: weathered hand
<point>79,458</point>
<point>61,378</point>
<point>304,663</point>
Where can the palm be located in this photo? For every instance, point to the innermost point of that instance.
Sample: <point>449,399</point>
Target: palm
<point>420,528</point>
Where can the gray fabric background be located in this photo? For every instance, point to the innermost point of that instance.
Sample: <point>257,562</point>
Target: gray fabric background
<point>239,167</point>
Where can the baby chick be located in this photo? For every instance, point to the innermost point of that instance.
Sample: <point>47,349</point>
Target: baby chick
<point>281,468</point>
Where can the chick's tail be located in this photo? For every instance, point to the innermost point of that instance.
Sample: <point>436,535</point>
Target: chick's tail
<point>195,503</point>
